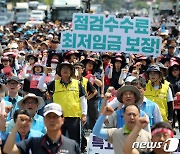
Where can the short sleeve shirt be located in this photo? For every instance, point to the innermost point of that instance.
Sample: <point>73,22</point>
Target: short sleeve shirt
<point>42,145</point>
<point>117,137</point>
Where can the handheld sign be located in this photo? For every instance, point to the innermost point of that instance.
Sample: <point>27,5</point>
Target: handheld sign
<point>177,102</point>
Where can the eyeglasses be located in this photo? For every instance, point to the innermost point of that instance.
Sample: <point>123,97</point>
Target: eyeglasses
<point>13,83</point>
<point>30,102</point>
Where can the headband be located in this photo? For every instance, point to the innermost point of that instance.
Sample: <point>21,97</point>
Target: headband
<point>162,130</point>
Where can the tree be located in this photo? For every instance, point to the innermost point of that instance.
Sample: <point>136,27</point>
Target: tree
<point>140,4</point>
<point>48,2</point>
<point>111,5</point>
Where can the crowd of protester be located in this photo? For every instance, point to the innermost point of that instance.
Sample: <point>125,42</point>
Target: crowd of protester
<point>130,92</point>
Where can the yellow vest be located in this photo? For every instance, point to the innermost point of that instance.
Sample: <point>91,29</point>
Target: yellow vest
<point>166,83</point>
<point>158,96</point>
<point>84,83</point>
<point>68,98</point>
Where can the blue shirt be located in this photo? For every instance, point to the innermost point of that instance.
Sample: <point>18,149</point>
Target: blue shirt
<point>37,124</point>
<point>117,119</point>
<point>120,117</point>
<point>152,110</point>
<point>32,133</point>
<point>15,106</point>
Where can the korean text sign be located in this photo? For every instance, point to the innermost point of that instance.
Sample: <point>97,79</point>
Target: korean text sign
<point>99,146</point>
<point>96,32</point>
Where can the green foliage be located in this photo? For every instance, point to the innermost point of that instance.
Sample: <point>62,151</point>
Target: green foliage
<point>48,2</point>
<point>113,5</point>
<point>140,4</point>
<point>110,5</point>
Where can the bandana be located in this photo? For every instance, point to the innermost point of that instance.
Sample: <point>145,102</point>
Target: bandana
<point>162,130</point>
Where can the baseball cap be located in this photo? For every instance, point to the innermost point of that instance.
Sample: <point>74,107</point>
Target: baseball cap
<point>161,66</point>
<point>53,108</point>
<point>171,46</point>
<point>153,68</point>
<point>130,78</point>
<point>14,78</point>
<point>54,60</point>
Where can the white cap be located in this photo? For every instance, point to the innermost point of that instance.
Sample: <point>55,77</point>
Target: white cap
<point>54,108</point>
<point>130,78</point>
<point>14,45</point>
<point>49,36</point>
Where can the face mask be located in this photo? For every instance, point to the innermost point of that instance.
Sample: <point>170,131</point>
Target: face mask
<point>53,66</point>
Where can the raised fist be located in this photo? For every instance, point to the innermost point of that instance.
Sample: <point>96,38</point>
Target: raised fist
<point>108,110</point>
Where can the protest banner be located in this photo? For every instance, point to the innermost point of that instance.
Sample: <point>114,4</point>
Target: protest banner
<point>99,146</point>
<point>96,32</point>
<point>177,102</point>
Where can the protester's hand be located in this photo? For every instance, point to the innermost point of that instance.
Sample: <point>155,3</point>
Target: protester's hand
<point>27,64</point>
<point>110,89</point>
<point>40,56</point>
<point>47,70</point>
<point>138,65</point>
<point>178,94</point>
<point>17,56</point>
<point>83,119</point>
<point>111,66</point>
<point>102,96</point>
<point>22,120</point>
<point>45,55</point>
<point>124,70</point>
<point>108,110</point>
<point>135,73</point>
<point>8,108</point>
<point>132,56</point>
<point>158,59</point>
<point>29,45</point>
<point>57,77</point>
<point>142,122</point>
<point>75,61</point>
<point>107,95</point>
<point>3,117</point>
<point>82,58</point>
